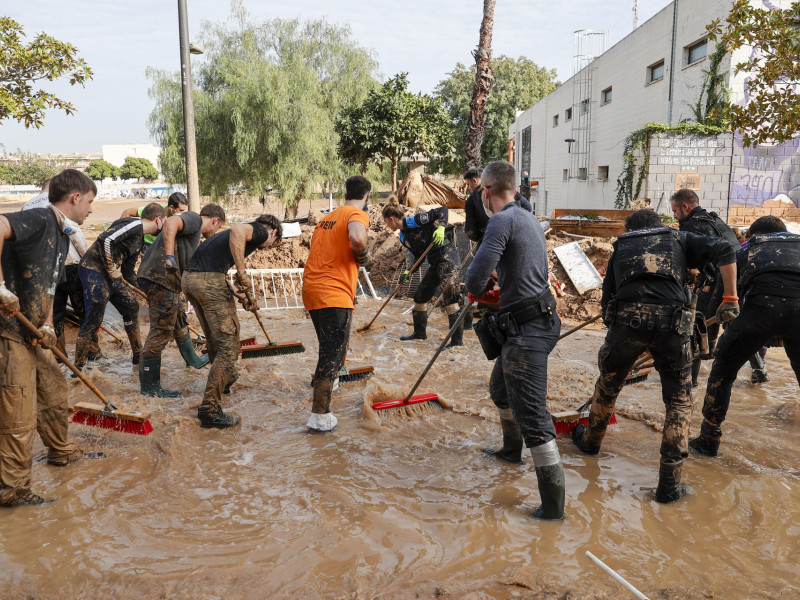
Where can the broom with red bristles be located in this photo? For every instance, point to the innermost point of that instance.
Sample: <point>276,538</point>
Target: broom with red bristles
<point>104,416</point>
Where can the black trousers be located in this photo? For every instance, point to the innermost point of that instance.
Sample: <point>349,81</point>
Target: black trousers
<point>333,332</point>
<point>444,272</point>
<point>762,319</point>
<point>69,288</point>
<point>637,328</point>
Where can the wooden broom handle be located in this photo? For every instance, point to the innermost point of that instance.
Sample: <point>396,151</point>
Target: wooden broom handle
<point>134,289</point>
<point>62,357</point>
<point>255,312</point>
<point>394,291</point>
<point>581,326</point>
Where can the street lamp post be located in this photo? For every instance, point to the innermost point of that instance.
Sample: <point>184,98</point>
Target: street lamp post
<point>192,184</point>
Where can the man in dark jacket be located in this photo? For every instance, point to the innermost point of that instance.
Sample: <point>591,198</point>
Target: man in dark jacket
<point>475,216</point>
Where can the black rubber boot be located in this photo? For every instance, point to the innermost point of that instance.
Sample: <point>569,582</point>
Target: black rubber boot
<point>420,326</point>
<point>218,420</point>
<point>708,441</point>
<point>457,339</point>
<point>82,346</point>
<point>552,492</point>
<point>469,317</point>
<point>136,343</point>
<point>580,437</point>
<point>696,366</point>
<point>186,348</point>
<point>512,443</point>
<point>150,378</point>
<point>670,488</point>
<point>759,376</point>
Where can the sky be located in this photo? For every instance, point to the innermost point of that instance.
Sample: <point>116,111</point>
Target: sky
<point>426,38</point>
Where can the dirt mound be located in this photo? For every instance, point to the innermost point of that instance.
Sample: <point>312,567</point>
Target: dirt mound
<point>419,189</point>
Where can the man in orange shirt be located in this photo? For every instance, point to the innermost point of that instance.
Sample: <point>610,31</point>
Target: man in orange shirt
<point>338,248</point>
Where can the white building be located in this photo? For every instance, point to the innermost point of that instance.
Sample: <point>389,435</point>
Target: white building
<point>117,153</point>
<point>655,74</point>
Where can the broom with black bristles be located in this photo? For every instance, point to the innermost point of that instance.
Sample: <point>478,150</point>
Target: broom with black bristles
<point>271,348</point>
<point>428,400</point>
<point>104,416</point>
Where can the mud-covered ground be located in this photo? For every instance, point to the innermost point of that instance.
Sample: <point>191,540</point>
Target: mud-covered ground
<point>407,507</point>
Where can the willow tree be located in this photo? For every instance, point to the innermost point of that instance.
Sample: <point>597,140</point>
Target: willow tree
<point>266,97</point>
<point>484,80</point>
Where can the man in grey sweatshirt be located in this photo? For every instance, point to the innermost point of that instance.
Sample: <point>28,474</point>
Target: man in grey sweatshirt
<point>527,329</point>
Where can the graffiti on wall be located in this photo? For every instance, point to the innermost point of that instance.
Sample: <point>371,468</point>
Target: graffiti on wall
<point>766,173</point>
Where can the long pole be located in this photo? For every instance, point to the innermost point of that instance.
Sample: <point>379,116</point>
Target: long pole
<point>193,186</point>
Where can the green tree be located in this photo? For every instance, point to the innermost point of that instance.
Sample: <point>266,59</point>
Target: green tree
<point>392,123</point>
<point>518,84</point>
<point>23,65</point>
<point>771,112</point>
<point>101,169</point>
<point>30,169</point>
<point>266,97</point>
<point>137,168</point>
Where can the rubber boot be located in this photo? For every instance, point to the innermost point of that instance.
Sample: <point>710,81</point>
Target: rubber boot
<point>420,326</point>
<point>583,440</point>
<point>82,346</point>
<point>708,441</point>
<point>457,339</point>
<point>550,477</point>
<point>469,317</point>
<point>186,348</point>
<point>670,488</point>
<point>696,366</point>
<point>150,378</point>
<point>136,343</point>
<point>512,441</point>
<point>216,420</point>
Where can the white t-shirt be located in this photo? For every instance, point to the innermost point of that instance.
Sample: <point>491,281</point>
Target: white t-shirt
<point>77,241</point>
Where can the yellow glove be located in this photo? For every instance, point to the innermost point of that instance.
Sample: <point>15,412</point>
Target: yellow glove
<point>438,235</point>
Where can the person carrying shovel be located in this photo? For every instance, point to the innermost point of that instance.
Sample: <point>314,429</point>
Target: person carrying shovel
<point>338,248</point>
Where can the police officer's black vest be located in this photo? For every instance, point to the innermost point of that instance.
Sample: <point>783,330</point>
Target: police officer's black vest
<point>719,226</point>
<point>657,252</point>
<point>774,252</point>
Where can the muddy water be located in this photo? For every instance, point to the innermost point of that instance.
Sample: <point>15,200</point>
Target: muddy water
<point>409,510</point>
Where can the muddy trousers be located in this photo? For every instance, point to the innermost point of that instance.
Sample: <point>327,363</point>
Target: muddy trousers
<point>445,273</point>
<point>98,291</point>
<point>646,328</point>
<point>167,319</point>
<point>519,379</point>
<point>215,307</point>
<point>762,318</point>
<point>33,397</point>
<point>332,326</point>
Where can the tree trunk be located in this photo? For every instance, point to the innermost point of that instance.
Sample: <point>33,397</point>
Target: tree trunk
<point>395,160</point>
<point>484,80</point>
<point>291,207</point>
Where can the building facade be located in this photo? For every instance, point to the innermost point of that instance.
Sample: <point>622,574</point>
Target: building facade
<point>571,142</point>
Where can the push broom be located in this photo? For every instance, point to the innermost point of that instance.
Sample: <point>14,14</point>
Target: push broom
<point>104,416</point>
<point>271,348</point>
<point>428,400</point>
<point>394,291</point>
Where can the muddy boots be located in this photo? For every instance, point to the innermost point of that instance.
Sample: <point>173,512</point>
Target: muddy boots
<point>420,326</point>
<point>322,419</point>
<point>457,339</point>
<point>136,344</point>
<point>759,374</point>
<point>550,477</point>
<point>150,377</point>
<point>586,442</point>
<point>670,488</point>
<point>696,366</point>
<point>512,439</point>
<point>186,348</point>
<point>708,441</point>
<point>470,308</point>
<point>82,347</point>
<point>211,416</point>
<point>26,498</point>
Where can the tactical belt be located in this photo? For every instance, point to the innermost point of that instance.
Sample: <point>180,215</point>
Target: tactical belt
<point>532,308</point>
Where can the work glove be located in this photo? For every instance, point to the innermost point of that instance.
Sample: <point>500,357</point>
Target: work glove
<point>115,273</point>
<point>49,338</point>
<point>438,235</point>
<point>171,260</point>
<point>243,281</point>
<point>489,297</point>
<point>405,277</point>
<point>9,303</point>
<point>728,310</point>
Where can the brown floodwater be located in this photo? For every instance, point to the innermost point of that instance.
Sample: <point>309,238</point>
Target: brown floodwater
<point>411,508</point>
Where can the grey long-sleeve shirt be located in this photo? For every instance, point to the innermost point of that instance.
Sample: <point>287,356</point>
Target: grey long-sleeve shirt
<point>514,244</point>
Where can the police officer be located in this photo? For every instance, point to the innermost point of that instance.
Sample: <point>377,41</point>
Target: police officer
<point>416,234</point>
<point>646,307</point>
<point>694,218</point>
<point>522,334</point>
<point>769,283</point>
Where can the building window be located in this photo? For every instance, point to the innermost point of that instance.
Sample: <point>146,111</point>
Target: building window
<point>525,151</point>
<point>568,114</point>
<point>555,121</point>
<point>582,174</point>
<point>565,176</point>
<point>602,173</point>
<point>696,52</point>
<point>585,106</point>
<point>655,72</point>
<point>605,96</point>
